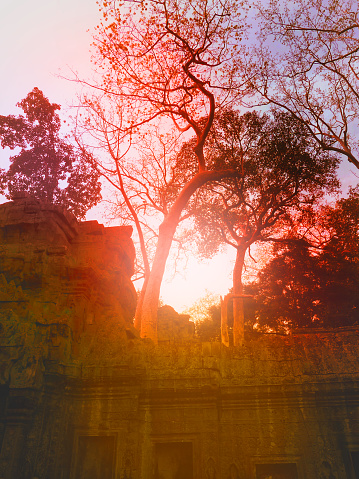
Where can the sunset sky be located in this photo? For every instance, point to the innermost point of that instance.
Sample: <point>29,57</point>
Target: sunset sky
<point>42,41</point>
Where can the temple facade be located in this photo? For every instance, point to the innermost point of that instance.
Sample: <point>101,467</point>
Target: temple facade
<point>83,397</point>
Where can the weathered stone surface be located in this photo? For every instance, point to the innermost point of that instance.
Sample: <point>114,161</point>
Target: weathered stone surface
<point>272,407</point>
<point>81,396</point>
<point>173,327</point>
<point>58,279</point>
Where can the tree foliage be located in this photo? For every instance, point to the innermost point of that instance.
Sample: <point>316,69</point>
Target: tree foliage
<point>206,314</point>
<point>47,167</point>
<point>282,171</point>
<point>209,328</point>
<point>288,288</point>
<point>302,287</point>
<point>307,63</point>
<point>144,192</point>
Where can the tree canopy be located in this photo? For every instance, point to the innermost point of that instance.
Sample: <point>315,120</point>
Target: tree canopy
<point>306,63</point>
<point>47,166</point>
<point>281,172</point>
<point>306,287</point>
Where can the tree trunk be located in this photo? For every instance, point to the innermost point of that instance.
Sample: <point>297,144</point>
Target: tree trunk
<point>238,310</point>
<point>141,297</point>
<point>149,309</point>
<point>147,317</point>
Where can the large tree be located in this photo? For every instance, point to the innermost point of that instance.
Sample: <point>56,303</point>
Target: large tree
<point>307,63</point>
<point>170,61</point>
<point>47,166</point>
<point>283,173</point>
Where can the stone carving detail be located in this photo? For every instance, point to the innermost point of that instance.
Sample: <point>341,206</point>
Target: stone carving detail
<point>277,471</point>
<point>211,469</point>
<point>326,471</point>
<point>9,293</point>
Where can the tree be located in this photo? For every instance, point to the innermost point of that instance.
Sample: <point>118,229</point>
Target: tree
<point>47,166</point>
<point>287,289</point>
<point>307,65</point>
<point>206,314</point>
<point>170,60</point>
<point>342,221</point>
<point>283,173</point>
<point>339,263</point>
<point>302,287</point>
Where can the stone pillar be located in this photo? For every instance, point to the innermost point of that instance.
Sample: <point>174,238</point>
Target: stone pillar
<point>224,321</point>
<point>238,332</point>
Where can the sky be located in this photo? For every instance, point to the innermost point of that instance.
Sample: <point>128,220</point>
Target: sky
<point>43,41</point>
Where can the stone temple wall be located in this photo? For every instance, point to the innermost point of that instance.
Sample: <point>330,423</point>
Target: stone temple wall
<point>82,397</point>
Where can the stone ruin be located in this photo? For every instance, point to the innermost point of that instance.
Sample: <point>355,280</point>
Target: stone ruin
<point>83,397</point>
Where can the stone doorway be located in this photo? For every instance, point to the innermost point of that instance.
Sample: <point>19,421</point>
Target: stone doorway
<point>276,471</point>
<point>95,457</point>
<point>173,460</point>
